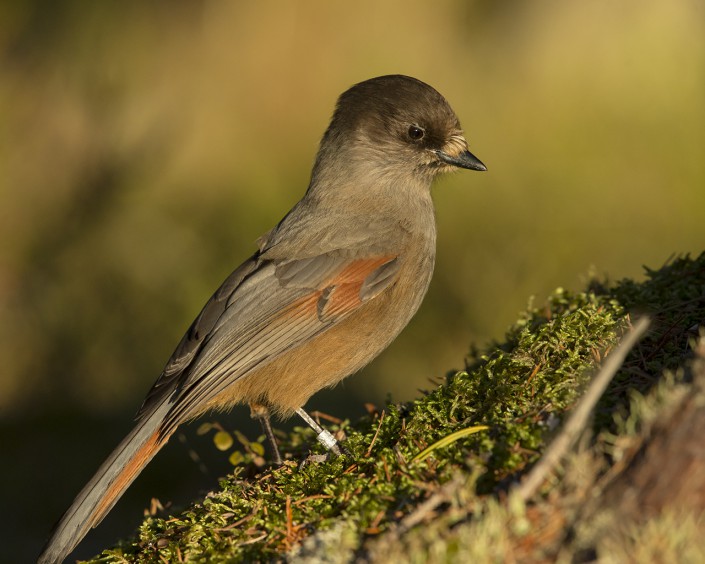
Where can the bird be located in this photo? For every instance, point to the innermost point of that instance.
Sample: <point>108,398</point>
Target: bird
<point>327,290</point>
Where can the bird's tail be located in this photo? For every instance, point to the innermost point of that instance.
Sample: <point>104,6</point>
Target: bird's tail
<point>111,480</point>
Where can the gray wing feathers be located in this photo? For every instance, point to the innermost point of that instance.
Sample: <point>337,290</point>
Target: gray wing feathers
<point>379,280</point>
<point>193,340</point>
<point>309,272</point>
<point>232,351</point>
<point>255,317</point>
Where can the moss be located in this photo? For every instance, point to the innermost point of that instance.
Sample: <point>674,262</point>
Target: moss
<point>520,388</point>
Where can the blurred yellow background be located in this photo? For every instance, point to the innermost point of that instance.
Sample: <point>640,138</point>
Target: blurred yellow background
<point>145,146</point>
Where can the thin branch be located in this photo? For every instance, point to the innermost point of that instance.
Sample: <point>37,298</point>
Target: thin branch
<point>578,420</point>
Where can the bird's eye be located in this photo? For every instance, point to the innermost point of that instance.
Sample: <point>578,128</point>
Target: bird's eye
<point>416,132</point>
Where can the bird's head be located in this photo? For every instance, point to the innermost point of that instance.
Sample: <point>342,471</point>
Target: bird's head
<point>395,124</point>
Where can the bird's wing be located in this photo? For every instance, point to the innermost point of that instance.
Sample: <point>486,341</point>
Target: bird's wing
<point>265,308</point>
<point>192,342</point>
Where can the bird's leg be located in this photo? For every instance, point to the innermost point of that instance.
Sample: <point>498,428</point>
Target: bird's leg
<point>324,436</point>
<point>261,413</point>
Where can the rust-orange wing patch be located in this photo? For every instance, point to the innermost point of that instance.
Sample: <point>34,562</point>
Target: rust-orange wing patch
<point>345,291</point>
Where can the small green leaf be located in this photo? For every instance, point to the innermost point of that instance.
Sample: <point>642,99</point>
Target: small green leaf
<point>257,448</point>
<point>236,458</point>
<point>223,440</point>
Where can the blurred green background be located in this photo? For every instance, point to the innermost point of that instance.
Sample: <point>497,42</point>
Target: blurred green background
<point>145,146</point>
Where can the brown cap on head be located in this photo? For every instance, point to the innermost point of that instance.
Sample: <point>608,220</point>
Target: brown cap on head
<point>400,115</point>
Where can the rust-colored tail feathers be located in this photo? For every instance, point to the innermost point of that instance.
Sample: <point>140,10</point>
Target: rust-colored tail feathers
<point>106,487</point>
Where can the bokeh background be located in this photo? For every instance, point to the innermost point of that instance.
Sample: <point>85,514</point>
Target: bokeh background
<point>144,146</point>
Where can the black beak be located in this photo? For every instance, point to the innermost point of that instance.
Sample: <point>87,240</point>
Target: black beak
<point>464,160</point>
